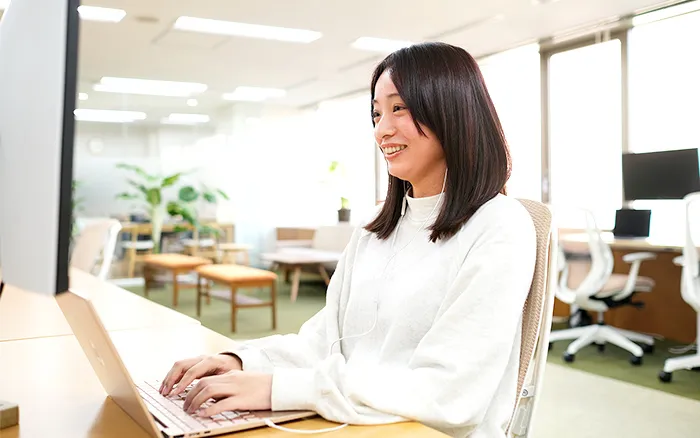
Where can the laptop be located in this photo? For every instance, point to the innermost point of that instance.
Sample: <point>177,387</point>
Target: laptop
<point>156,414</point>
<point>632,224</point>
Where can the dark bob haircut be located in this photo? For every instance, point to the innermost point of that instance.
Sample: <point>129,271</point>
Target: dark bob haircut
<point>444,91</point>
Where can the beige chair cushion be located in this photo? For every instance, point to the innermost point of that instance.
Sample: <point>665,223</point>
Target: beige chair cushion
<point>579,269</point>
<point>174,261</point>
<point>534,304</point>
<point>235,273</point>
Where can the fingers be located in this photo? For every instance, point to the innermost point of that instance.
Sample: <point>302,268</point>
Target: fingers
<point>228,404</point>
<point>208,388</point>
<point>201,369</point>
<point>176,373</point>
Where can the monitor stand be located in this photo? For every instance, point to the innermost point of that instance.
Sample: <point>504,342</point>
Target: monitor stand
<point>9,412</point>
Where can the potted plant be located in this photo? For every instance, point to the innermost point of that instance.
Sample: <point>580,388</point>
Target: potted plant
<point>337,171</point>
<point>149,190</point>
<point>184,207</point>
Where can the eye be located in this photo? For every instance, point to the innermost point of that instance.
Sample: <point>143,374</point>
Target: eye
<point>399,108</point>
<point>375,114</point>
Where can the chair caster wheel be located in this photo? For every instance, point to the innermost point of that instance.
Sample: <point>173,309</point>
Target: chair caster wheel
<point>649,349</point>
<point>601,347</point>
<point>665,377</point>
<point>569,357</point>
<point>636,360</point>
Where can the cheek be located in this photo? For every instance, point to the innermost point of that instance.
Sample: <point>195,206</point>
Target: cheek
<point>408,130</point>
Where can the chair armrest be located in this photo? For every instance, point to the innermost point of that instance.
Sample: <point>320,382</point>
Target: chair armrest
<point>638,256</point>
<point>678,261</point>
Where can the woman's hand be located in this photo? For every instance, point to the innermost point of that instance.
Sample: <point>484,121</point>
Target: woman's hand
<point>186,371</point>
<point>235,390</point>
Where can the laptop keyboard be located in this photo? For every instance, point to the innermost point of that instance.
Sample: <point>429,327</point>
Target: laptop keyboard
<point>171,408</point>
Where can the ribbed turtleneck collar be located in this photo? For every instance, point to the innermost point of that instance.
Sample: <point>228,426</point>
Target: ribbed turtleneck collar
<point>420,208</point>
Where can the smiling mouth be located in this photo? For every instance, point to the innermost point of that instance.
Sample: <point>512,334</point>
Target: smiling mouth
<point>391,150</point>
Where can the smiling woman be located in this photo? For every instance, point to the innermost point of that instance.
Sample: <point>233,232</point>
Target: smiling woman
<point>422,316</point>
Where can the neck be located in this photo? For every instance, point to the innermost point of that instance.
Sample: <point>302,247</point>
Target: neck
<point>429,186</point>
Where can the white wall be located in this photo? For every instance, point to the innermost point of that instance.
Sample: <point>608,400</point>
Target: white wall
<point>100,147</point>
<point>273,163</point>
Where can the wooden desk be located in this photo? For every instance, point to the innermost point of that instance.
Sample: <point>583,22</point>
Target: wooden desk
<point>136,228</point>
<point>579,241</point>
<point>60,396</point>
<point>25,315</point>
<point>665,312</point>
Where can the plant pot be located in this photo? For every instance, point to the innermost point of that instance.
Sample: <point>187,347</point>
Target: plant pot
<point>344,215</point>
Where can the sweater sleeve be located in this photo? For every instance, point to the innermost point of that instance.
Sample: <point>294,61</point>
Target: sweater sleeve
<point>310,345</point>
<point>458,365</point>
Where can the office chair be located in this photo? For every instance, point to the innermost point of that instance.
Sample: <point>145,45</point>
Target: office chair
<point>690,284</point>
<point>97,239</point>
<point>599,291</point>
<point>536,322</point>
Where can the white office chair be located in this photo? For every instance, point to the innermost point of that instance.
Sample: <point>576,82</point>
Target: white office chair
<point>599,291</point>
<point>536,322</point>
<point>690,283</point>
<point>97,239</point>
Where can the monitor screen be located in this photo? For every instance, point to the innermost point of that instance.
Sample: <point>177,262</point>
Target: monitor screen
<point>660,175</point>
<point>38,69</point>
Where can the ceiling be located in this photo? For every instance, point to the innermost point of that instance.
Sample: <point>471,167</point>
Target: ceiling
<point>144,45</point>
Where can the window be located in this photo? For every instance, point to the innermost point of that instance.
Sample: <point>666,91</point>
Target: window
<point>585,128</point>
<point>664,96</point>
<point>513,81</point>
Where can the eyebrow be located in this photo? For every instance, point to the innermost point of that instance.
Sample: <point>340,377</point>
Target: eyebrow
<point>391,95</point>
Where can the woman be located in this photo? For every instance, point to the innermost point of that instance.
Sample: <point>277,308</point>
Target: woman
<point>422,316</point>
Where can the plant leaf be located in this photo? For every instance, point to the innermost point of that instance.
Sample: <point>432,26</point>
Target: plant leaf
<point>171,180</point>
<point>153,196</point>
<point>142,188</point>
<point>173,208</point>
<point>222,194</point>
<point>127,196</point>
<point>188,194</point>
<point>209,197</point>
<point>138,170</point>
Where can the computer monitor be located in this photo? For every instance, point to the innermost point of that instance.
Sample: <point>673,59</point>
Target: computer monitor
<point>660,175</point>
<point>38,59</point>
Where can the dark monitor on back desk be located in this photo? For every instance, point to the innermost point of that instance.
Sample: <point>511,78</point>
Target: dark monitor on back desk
<point>660,175</point>
<point>632,223</point>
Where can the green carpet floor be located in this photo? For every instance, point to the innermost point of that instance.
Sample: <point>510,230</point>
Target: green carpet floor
<point>255,323</point>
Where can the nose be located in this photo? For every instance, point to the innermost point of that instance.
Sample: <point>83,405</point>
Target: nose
<point>384,128</point>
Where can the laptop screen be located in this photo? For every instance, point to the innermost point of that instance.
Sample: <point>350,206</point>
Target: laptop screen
<point>632,223</point>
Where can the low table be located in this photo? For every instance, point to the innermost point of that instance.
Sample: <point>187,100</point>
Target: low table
<point>295,260</point>
<point>176,263</point>
<point>235,277</point>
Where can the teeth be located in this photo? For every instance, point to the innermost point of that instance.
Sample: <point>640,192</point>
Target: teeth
<point>394,149</point>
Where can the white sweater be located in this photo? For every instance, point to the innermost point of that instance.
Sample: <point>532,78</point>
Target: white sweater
<point>446,344</point>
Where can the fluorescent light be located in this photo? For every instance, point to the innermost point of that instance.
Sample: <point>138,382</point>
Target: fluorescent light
<point>662,14</point>
<point>95,13</point>
<point>254,94</point>
<point>192,102</point>
<point>108,116</point>
<point>231,28</point>
<point>253,121</point>
<point>83,96</point>
<point>148,87</point>
<point>380,44</point>
<point>185,119</point>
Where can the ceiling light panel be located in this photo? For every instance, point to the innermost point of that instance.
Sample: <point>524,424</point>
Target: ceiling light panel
<point>231,28</point>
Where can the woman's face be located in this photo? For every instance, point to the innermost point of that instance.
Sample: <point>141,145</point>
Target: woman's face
<point>410,155</point>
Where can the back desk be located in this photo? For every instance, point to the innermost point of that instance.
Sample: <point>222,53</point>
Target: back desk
<point>665,313</point>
